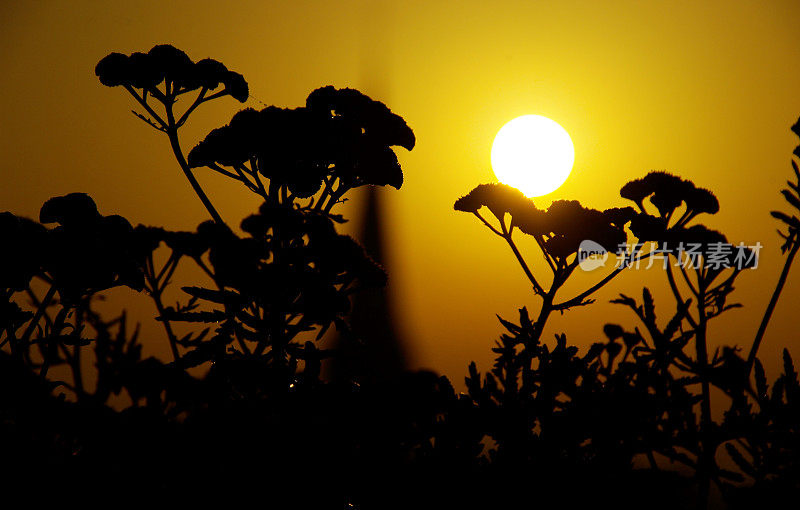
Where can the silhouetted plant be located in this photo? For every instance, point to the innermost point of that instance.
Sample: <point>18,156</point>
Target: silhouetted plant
<point>558,232</point>
<point>528,408</point>
<point>710,282</point>
<point>144,74</point>
<point>244,406</point>
<point>791,245</point>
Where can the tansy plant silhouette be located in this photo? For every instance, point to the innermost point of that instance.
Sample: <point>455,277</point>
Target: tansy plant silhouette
<point>243,406</point>
<point>655,373</point>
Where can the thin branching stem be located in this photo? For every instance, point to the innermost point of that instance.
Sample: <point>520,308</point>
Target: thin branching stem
<point>37,303</point>
<point>686,278</point>
<point>707,453</point>
<point>146,106</point>
<point>507,236</point>
<point>51,292</point>
<point>762,328</point>
<point>545,254</point>
<point>677,293</point>
<point>172,133</point>
<point>488,225</point>
<point>577,300</point>
<point>170,127</point>
<point>194,105</point>
<point>227,173</point>
<point>156,290</point>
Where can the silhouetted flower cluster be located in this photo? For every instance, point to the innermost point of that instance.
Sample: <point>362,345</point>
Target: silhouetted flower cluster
<point>667,192</point>
<point>165,63</point>
<point>162,76</point>
<point>88,252</point>
<point>498,198</point>
<point>562,227</point>
<point>340,134</point>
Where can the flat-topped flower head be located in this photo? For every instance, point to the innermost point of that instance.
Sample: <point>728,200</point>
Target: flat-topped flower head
<point>171,64</point>
<point>74,209</point>
<point>88,252</point>
<point>620,216</point>
<point>562,227</point>
<point>339,134</point>
<point>232,144</point>
<point>667,192</point>
<point>499,198</point>
<point>568,224</point>
<point>701,200</point>
<point>360,134</point>
<point>372,118</point>
<point>165,63</point>
<point>697,235</point>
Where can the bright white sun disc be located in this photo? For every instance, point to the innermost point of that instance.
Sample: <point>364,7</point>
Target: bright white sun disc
<point>533,154</point>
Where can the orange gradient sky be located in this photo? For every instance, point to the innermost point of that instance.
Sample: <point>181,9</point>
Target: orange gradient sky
<point>706,90</point>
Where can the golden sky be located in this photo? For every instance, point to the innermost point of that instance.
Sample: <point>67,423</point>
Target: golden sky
<point>706,90</point>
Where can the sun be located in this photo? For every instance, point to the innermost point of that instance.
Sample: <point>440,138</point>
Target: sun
<point>533,154</point>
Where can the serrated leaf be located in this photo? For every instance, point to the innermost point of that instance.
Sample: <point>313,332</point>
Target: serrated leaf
<point>777,390</point>
<point>74,341</point>
<point>524,318</point>
<point>222,297</point>
<point>323,330</point>
<point>246,334</point>
<point>510,326</point>
<point>737,458</point>
<point>761,379</point>
<point>680,457</point>
<point>792,221</point>
<point>207,317</point>
<point>249,319</point>
<point>649,305</point>
<point>791,198</point>
<point>624,300</point>
<point>199,355</point>
<point>687,380</point>
<point>788,365</point>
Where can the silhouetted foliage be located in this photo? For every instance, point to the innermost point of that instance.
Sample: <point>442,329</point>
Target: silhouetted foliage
<point>243,408</point>
<point>340,140</point>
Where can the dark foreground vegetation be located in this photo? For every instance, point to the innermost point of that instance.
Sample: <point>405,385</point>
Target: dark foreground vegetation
<point>245,409</point>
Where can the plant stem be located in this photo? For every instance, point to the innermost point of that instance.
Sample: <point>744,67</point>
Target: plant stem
<point>762,328</point>
<point>578,300</point>
<point>155,294</point>
<point>172,133</point>
<point>39,312</point>
<point>507,236</point>
<point>707,450</point>
<point>173,340</point>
